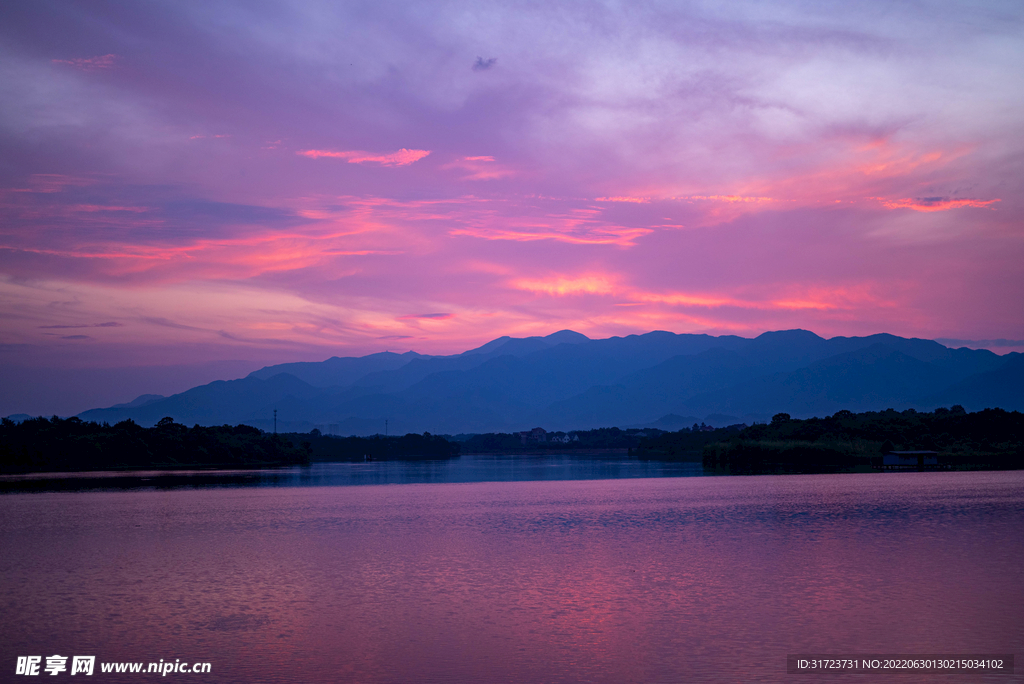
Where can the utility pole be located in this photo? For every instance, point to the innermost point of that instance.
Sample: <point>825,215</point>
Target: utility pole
<point>275,421</point>
<point>385,427</point>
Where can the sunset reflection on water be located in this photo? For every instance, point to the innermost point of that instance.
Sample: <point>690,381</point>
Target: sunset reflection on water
<point>706,579</point>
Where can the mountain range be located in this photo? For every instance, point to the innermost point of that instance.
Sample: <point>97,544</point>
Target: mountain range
<point>566,381</point>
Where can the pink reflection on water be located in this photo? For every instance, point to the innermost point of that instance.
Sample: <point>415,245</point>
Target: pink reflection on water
<point>695,579</point>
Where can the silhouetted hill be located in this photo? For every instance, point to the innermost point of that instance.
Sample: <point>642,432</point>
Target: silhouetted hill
<point>140,400</point>
<point>1000,388</point>
<point>871,378</point>
<point>398,379</point>
<point>566,381</point>
<point>653,391</point>
<point>793,371</point>
<point>336,371</point>
<point>218,403</point>
<point>527,345</point>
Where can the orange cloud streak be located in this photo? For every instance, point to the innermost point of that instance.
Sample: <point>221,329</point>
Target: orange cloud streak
<point>821,299</point>
<point>934,203</point>
<point>634,200</point>
<point>686,299</point>
<point>732,199</point>
<point>427,317</point>
<point>587,284</point>
<point>622,237</point>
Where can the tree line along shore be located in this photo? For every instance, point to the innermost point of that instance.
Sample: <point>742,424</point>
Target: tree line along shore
<point>70,444</point>
<point>845,441</point>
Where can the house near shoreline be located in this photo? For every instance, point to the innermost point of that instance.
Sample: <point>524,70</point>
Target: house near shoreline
<point>910,460</point>
<point>535,435</point>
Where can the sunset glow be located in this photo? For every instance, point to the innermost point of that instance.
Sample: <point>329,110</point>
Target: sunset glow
<point>343,179</point>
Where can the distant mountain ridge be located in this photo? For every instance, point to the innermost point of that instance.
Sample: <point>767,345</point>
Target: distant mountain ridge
<point>566,381</point>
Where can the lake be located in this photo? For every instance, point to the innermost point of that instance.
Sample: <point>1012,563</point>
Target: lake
<point>617,574</point>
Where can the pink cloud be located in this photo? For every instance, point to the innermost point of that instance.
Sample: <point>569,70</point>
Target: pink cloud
<point>402,157</point>
<point>480,168</point>
<point>558,221</point>
<point>100,207</point>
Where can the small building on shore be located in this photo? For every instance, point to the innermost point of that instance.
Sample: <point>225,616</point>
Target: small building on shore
<point>535,435</point>
<point>910,460</point>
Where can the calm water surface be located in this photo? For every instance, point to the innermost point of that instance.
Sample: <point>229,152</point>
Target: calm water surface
<point>636,579</point>
<point>467,468</point>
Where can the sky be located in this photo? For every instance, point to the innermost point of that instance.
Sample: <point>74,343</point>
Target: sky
<point>190,190</point>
